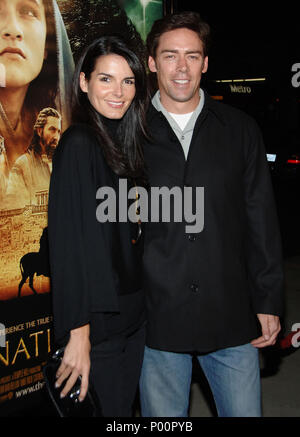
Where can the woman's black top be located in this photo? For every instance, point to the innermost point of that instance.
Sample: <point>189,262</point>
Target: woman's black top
<point>95,268</point>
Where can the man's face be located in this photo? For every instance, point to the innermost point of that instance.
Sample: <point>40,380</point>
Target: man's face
<point>50,133</point>
<point>22,40</point>
<point>179,65</point>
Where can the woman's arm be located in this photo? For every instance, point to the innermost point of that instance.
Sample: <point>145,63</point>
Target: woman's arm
<point>82,277</point>
<point>70,188</point>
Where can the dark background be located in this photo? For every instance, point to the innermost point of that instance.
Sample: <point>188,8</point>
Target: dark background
<point>252,37</point>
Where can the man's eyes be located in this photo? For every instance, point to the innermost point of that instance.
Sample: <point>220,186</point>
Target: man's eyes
<point>190,57</point>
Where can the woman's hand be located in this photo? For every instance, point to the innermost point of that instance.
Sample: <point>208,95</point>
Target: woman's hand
<point>75,362</point>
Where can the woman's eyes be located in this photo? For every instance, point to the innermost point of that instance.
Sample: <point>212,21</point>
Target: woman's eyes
<point>29,12</point>
<point>25,9</point>
<point>126,81</point>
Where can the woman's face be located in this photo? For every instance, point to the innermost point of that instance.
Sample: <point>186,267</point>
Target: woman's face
<point>22,40</point>
<point>111,87</point>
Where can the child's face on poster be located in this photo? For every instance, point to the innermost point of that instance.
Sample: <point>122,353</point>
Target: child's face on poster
<point>22,41</point>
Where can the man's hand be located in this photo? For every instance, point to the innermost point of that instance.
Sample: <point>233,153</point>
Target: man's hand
<point>75,362</point>
<point>270,327</point>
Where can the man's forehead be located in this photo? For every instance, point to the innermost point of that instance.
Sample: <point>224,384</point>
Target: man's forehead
<point>181,39</point>
<point>54,121</point>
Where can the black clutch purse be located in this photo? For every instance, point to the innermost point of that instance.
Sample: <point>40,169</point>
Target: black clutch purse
<point>69,406</point>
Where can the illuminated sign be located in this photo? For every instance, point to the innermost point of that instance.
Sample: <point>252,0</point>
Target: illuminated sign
<point>240,89</point>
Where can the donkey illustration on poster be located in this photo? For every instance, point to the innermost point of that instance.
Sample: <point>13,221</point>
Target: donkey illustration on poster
<point>35,263</point>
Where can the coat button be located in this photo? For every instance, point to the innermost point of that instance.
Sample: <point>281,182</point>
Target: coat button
<point>192,237</point>
<point>194,288</point>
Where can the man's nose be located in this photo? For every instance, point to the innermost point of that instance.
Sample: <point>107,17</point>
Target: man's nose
<point>10,27</point>
<point>182,64</point>
<point>56,136</point>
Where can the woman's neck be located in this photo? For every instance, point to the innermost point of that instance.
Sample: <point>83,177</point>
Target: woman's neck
<point>14,123</point>
<point>12,101</point>
<point>111,125</point>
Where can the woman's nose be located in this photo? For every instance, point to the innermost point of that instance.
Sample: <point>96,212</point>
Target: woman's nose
<point>10,27</point>
<point>118,90</point>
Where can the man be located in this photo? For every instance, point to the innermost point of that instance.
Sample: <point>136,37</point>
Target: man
<point>207,292</point>
<point>31,171</point>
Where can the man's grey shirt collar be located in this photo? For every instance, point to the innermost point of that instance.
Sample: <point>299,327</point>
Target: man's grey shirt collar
<point>190,125</point>
<point>184,136</point>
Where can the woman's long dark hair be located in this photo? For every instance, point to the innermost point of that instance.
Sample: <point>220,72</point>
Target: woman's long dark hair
<point>43,89</point>
<point>123,152</point>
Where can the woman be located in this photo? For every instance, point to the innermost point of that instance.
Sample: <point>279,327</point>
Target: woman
<point>36,65</point>
<point>95,269</point>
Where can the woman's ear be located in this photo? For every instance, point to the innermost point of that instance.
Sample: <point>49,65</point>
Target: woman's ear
<point>83,83</point>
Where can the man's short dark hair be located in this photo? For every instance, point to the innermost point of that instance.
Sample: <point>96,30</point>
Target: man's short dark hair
<point>189,20</point>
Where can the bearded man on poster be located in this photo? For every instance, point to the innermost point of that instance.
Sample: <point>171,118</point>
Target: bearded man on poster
<point>32,170</point>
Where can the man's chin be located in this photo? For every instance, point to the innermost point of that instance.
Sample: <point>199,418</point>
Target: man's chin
<point>182,97</point>
<point>50,150</point>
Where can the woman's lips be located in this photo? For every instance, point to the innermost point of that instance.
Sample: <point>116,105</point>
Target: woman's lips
<point>115,104</point>
<point>13,51</point>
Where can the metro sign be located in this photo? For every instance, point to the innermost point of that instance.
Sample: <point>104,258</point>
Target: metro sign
<point>240,89</point>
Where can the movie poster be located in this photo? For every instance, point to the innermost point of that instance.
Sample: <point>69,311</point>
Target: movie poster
<point>40,42</point>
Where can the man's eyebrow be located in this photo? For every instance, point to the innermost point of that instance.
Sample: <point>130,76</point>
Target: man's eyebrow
<point>188,52</point>
<point>169,51</point>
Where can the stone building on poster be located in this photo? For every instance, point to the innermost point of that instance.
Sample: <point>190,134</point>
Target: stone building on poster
<point>20,233</point>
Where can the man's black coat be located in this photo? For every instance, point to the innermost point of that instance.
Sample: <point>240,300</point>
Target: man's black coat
<point>205,289</point>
